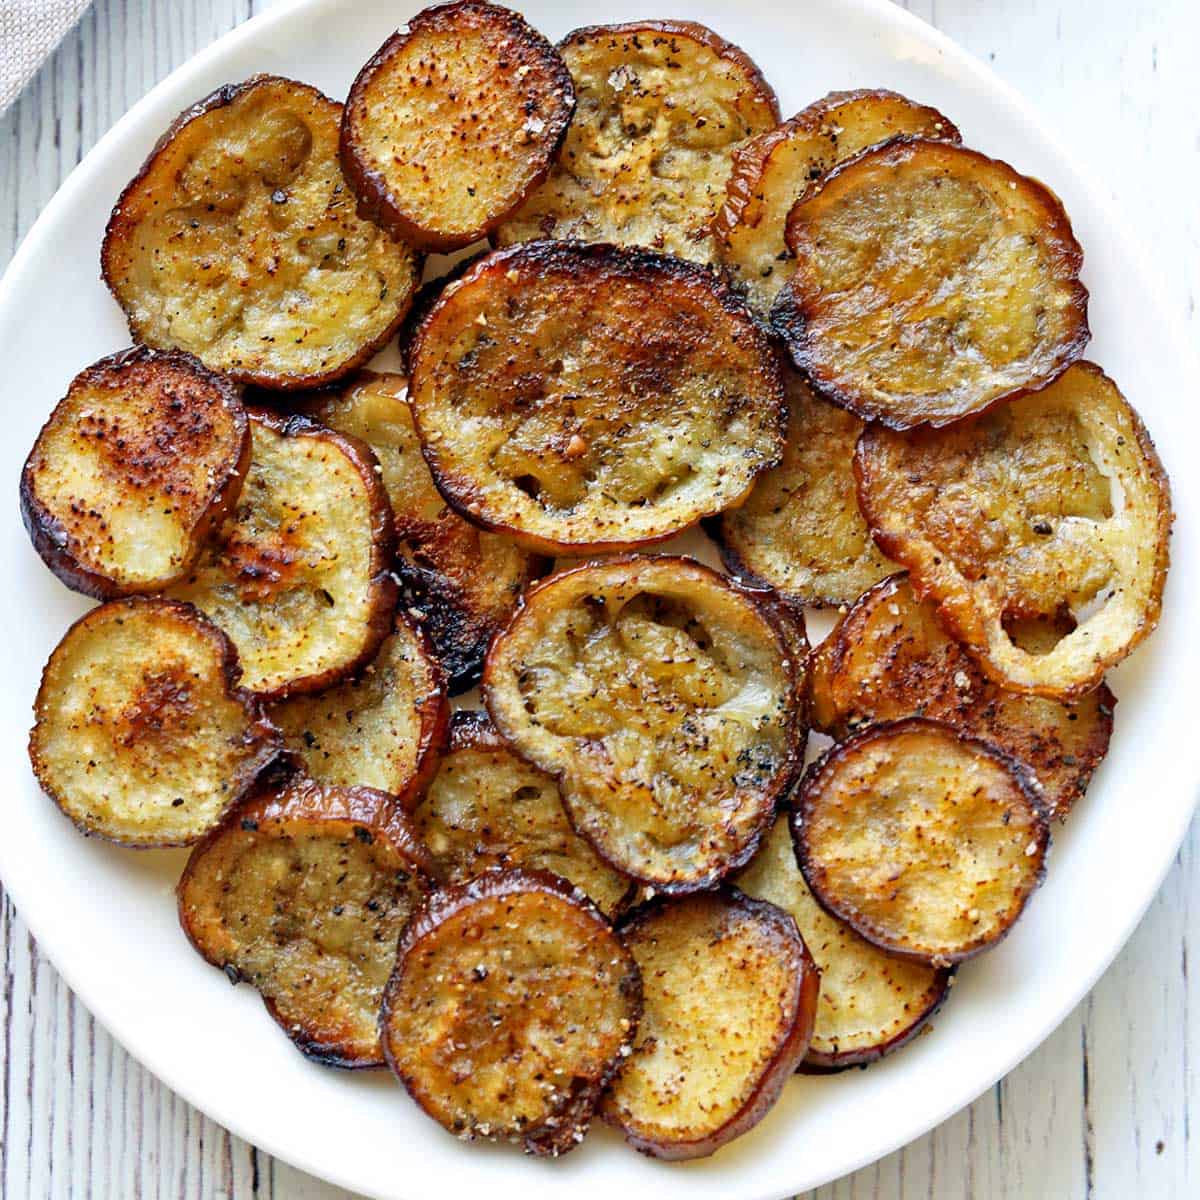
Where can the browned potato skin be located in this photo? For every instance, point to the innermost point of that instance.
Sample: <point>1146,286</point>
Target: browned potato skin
<point>800,306</point>
<point>303,805</point>
<point>543,90</point>
<point>864,673</point>
<point>829,763</point>
<point>58,548</point>
<point>568,1122</point>
<point>792,1036</point>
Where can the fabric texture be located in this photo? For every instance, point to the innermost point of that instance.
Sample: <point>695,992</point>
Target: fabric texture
<point>29,31</point>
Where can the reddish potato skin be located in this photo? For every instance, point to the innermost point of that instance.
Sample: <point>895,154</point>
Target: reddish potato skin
<point>46,533</point>
<point>305,802</point>
<point>789,1053</point>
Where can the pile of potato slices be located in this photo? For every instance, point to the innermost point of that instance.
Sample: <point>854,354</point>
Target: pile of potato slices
<point>621,879</point>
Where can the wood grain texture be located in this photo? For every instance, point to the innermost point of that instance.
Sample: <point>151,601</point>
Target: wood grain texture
<point>1102,1109</point>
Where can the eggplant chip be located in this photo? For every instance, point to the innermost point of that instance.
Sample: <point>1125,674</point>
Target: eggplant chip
<point>924,841</point>
<point>488,808</point>
<point>238,241</point>
<point>298,575</point>
<point>661,106</point>
<point>1056,499</point>
<point>871,1003</point>
<point>511,1004</point>
<point>930,282</point>
<point>730,1001</point>
<point>142,736</point>
<point>800,530</point>
<point>140,459</point>
<point>889,658</point>
<point>458,582</point>
<point>773,170</point>
<point>384,728</point>
<point>586,398</point>
<point>662,697</point>
<point>453,122</point>
<point>303,893</point>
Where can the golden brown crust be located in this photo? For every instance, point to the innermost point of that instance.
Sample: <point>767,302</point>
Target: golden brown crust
<point>773,170</point>
<point>142,736</point>
<point>888,658</point>
<point>926,842</point>
<point>299,575</point>
<point>730,1001</point>
<point>591,397</point>
<point>143,456</point>
<point>660,107</point>
<point>931,282</point>
<point>238,202</point>
<point>511,1005</point>
<point>302,893</point>
<point>664,699</point>
<point>1056,499</point>
<point>453,122</point>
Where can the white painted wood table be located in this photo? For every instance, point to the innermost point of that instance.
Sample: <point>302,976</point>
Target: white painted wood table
<point>1103,1108</point>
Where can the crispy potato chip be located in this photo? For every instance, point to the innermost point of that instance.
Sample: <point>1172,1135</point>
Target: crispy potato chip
<point>774,169</point>
<point>1054,499</point>
<point>930,283</point>
<point>661,107</point>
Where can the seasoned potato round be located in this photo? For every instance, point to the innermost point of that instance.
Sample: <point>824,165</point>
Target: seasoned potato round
<point>930,282</point>
<point>1056,499</point>
<point>459,583</point>
<point>593,398</point>
<point>238,241</point>
<point>144,454</point>
<point>511,1004</point>
<point>800,530</point>
<point>298,574</point>
<point>925,842</point>
<point>451,124</point>
<point>661,106</point>
<point>730,1001</point>
<point>383,728</point>
<point>889,657</point>
<point>141,735</point>
<point>303,893</point>
<point>774,169</point>
<point>489,808</point>
<point>871,1003</point>
<point>663,699</point>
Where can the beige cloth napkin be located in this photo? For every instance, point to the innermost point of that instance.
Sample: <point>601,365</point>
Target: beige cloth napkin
<point>29,31</point>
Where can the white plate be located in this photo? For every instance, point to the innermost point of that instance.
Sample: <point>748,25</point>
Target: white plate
<point>106,917</point>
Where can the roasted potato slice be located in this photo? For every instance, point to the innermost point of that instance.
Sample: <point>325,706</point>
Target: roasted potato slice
<point>662,697</point>
<point>774,169</point>
<point>1055,499</point>
<point>800,530</point>
<point>930,283</point>
<point>926,842</point>
<point>730,1002</point>
<point>488,808</point>
<point>870,1003</point>
<point>238,241</point>
<point>661,106</point>
<point>459,583</point>
<point>142,735</point>
<point>298,574</point>
<point>303,893</point>
<point>384,728</point>
<point>140,459</point>
<point>889,657</point>
<point>511,1004</point>
<point>586,398</point>
<point>453,122</point>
